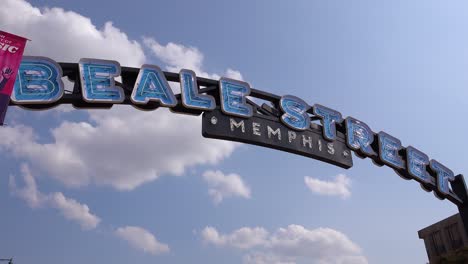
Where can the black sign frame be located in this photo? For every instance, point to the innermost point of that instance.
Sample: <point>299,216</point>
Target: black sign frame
<point>458,195</point>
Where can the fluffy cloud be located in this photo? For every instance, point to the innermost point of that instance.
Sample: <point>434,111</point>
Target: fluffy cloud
<point>338,187</point>
<point>243,238</point>
<point>29,193</point>
<point>222,186</point>
<point>177,57</point>
<point>264,258</point>
<point>121,147</point>
<point>68,36</point>
<point>69,208</point>
<point>142,239</point>
<point>74,211</point>
<point>118,147</point>
<point>293,244</point>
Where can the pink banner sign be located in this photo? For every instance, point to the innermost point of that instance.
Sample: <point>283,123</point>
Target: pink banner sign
<point>11,52</point>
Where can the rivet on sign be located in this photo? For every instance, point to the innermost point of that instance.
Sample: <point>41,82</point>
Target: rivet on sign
<point>214,120</point>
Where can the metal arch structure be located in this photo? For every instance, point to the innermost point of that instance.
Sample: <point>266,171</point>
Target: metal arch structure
<point>268,112</point>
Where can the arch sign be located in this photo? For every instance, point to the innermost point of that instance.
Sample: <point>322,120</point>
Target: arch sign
<point>231,111</point>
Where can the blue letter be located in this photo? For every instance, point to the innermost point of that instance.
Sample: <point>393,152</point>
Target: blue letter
<point>359,136</point>
<point>97,81</point>
<point>416,161</point>
<point>38,81</point>
<point>233,95</point>
<point>295,112</point>
<point>151,85</point>
<point>444,175</point>
<point>388,151</point>
<point>189,92</point>
<point>328,118</point>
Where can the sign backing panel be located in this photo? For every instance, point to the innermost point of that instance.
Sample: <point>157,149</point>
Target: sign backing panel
<point>267,132</point>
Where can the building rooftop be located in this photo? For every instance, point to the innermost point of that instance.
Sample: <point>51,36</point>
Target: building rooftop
<point>446,241</point>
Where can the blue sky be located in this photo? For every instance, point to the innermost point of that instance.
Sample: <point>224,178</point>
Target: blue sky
<point>127,186</point>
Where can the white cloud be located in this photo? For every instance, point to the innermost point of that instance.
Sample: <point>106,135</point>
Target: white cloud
<point>338,187</point>
<point>323,244</point>
<point>293,244</point>
<point>243,238</point>
<point>233,74</point>
<point>222,186</point>
<point>118,147</point>
<point>74,211</point>
<point>265,258</point>
<point>178,56</point>
<point>142,239</point>
<point>66,35</point>
<point>121,147</point>
<point>211,235</point>
<point>29,193</point>
<point>69,208</point>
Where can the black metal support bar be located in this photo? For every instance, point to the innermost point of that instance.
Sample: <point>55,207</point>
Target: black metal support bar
<point>459,188</point>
